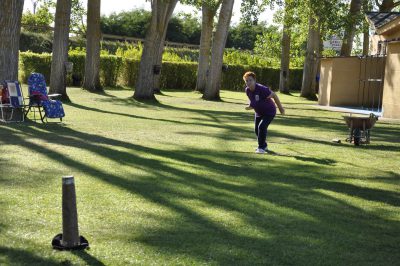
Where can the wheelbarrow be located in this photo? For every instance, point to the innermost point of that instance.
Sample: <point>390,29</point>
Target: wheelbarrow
<point>360,128</point>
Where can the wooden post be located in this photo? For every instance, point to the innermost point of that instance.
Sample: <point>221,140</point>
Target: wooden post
<point>70,237</point>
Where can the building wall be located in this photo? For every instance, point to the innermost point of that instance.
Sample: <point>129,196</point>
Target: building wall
<point>339,81</point>
<point>344,81</point>
<point>374,40</point>
<point>391,92</point>
<point>324,91</point>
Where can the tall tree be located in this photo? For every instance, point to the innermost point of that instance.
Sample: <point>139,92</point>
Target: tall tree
<point>93,36</point>
<point>386,5</point>
<point>60,48</point>
<point>213,84</point>
<point>209,9</point>
<point>366,7</point>
<point>10,28</point>
<point>321,13</point>
<point>352,21</point>
<point>285,54</point>
<point>310,63</point>
<point>150,64</point>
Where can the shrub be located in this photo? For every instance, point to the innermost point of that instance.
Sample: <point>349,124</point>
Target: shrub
<point>110,66</point>
<point>129,73</point>
<point>116,70</point>
<point>32,62</point>
<point>35,42</point>
<point>178,76</point>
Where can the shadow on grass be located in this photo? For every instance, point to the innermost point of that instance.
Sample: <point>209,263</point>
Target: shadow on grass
<point>16,256</point>
<point>88,258</point>
<point>284,212</point>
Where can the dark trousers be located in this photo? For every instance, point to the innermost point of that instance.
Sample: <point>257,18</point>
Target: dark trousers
<point>261,124</point>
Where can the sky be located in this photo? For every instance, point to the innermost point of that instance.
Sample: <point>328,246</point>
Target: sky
<point>110,6</point>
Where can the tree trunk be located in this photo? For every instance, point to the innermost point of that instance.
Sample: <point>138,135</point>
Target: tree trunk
<point>157,78</point>
<point>310,64</point>
<point>60,48</point>
<point>10,28</point>
<point>365,29</point>
<point>285,58</point>
<point>208,14</point>
<point>350,31</point>
<point>93,36</point>
<point>213,83</point>
<point>161,12</point>
<point>387,5</point>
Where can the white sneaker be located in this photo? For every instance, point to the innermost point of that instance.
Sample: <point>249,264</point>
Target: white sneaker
<point>260,151</point>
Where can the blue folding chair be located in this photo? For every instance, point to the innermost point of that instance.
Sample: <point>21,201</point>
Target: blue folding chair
<point>40,100</point>
<point>11,102</point>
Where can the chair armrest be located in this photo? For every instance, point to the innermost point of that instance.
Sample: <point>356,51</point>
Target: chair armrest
<point>54,95</point>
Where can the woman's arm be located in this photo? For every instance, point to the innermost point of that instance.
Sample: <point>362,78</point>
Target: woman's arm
<point>278,103</point>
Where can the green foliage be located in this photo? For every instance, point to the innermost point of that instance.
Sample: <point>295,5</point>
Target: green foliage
<point>35,42</point>
<point>129,72</point>
<point>244,36</point>
<point>118,70</point>
<point>184,28</point>
<point>269,43</point>
<point>77,57</point>
<point>110,67</point>
<point>178,76</point>
<point>232,77</point>
<point>78,13</point>
<point>40,21</point>
<point>238,57</point>
<point>131,23</point>
<point>32,62</point>
<point>130,51</point>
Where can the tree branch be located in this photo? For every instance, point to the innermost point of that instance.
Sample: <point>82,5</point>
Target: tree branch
<point>396,4</point>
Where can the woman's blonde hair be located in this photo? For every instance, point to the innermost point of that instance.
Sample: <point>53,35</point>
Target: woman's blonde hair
<point>249,74</point>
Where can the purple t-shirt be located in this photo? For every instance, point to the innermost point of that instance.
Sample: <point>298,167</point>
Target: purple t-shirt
<point>260,102</point>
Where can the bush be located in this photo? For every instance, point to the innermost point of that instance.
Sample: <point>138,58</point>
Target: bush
<point>232,78</point>
<point>178,76</point>
<point>32,62</point>
<point>35,42</point>
<point>110,67</point>
<point>116,70</point>
<point>129,73</point>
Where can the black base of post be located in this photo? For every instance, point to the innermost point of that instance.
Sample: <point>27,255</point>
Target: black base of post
<point>57,243</point>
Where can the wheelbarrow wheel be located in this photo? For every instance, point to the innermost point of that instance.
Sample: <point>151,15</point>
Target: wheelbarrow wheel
<point>357,137</point>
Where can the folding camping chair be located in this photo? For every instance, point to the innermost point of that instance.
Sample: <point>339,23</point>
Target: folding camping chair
<point>41,101</point>
<point>11,102</point>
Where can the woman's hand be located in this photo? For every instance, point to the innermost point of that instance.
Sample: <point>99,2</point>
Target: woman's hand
<point>248,107</point>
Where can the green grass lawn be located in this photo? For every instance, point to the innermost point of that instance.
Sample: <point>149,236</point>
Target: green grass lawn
<point>178,183</point>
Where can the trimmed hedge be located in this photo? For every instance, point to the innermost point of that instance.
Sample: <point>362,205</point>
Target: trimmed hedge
<point>232,78</point>
<point>35,42</point>
<point>115,70</point>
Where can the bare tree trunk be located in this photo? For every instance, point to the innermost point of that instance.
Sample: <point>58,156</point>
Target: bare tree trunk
<point>387,5</point>
<point>310,64</point>
<point>285,58</point>
<point>60,48</point>
<point>93,36</point>
<point>213,83</point>
<point>10,28</point>
<point>157,77</point>
<point>208,14</point>
<point>153,47</point>
<point>350,31</point>
<point>366,7</point>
